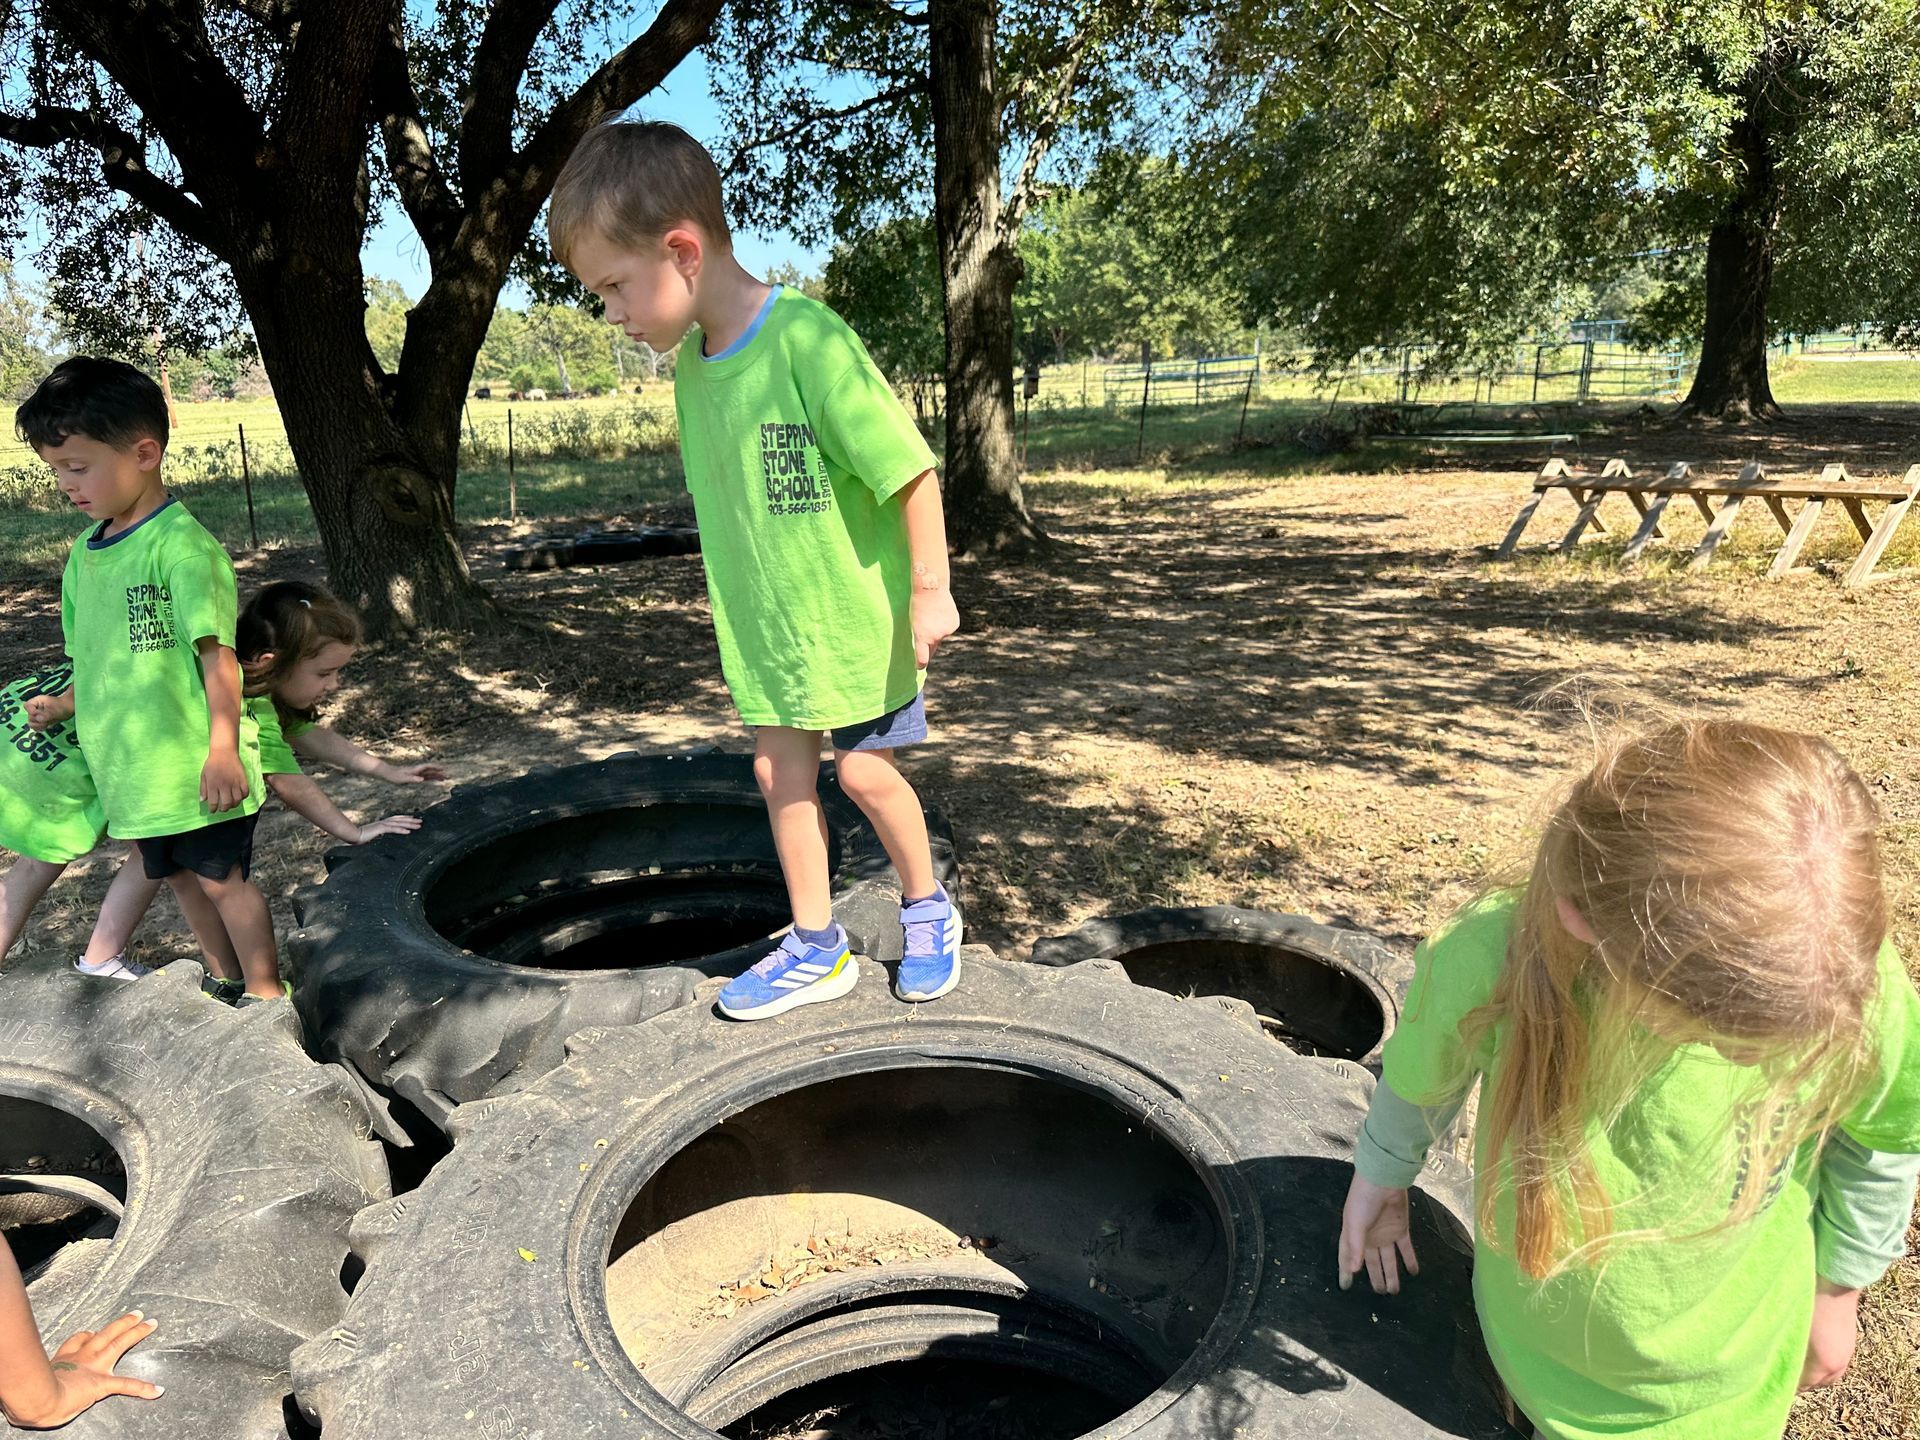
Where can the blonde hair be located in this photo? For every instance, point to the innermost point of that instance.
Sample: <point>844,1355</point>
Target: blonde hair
<point>1731,876</point>
<point>632,181</point>
<point>291,620</point>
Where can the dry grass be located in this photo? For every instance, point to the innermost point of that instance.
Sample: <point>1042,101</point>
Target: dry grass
<point>1303,692</point>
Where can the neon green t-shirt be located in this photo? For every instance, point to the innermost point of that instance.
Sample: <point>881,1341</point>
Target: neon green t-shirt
<point>276,755</point>
<point>1680,1339</point>
<point>49,809</point>
<point>794,444</point>
<point>133,605</point>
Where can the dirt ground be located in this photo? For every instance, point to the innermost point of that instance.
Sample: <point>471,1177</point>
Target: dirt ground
<point>1227,684</point>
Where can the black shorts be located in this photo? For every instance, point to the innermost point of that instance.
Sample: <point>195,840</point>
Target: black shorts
<point>211,851</point>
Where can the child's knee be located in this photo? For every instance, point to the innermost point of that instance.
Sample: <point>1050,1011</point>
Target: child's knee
<point>865,776</point>
<point>785,781</point>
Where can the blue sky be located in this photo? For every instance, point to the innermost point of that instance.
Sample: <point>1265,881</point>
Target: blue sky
<point>394,252</point>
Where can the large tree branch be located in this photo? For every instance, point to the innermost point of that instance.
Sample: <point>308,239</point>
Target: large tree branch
<point>888,12</point>
<point>1045,129</point>
<point>279,16</point>
<point>681,27</point>
<point>159,53</point>
<point>123,162</point>
<point>411,162</point>
<point>824,117</point>
<point>499,60</point>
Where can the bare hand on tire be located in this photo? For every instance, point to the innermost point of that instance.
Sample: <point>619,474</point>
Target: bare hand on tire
<point>82,1374</point>
<point>1375,1235</point>
<point>392,825</point>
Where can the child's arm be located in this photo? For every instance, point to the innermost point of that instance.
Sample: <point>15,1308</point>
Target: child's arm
<point>1859,1229</point>
<point>223,781</point>
<point>933,613</point>
<point>45,711</point>
<point>303,797</point>
<point>1387,1156</point>
<point>39,1394</point>
<point>331,748</point>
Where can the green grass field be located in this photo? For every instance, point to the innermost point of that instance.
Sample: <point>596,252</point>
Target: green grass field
<point>608,454</point>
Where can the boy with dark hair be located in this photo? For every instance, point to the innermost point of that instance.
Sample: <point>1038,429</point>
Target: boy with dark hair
<point>821,529</point>
<point>148,606</point>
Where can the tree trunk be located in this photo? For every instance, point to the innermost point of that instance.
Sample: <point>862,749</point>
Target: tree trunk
<point>986,511</point>
<point>381,485</point>
<point>1731,382</point>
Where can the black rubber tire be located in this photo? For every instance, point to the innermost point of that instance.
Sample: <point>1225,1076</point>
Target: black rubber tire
<point>382,989</point>
<point>486,1307</point>
<point>550,553</point>
<point>1321,989</point>
<point>240,1162</point>
<point>618,547</point>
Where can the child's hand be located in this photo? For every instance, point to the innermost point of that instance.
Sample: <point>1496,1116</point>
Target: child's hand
<point>934,617</point>
<point>1836,1330</point>
<point>46,711</point>
<point>83,1373</point>
<point>223,783</point>
<point>1373,1227</point>
<point>392,825</point>
<point>410,774</point>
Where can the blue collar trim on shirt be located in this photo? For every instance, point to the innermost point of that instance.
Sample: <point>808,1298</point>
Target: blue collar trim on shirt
<point>752,330</point>
<point>94,542</point>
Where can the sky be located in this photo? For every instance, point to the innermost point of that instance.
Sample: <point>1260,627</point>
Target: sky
<point>394,252</point>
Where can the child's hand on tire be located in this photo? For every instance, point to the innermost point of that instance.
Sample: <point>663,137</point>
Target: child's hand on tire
<point>1375,1235</point>
<point>392,825</point>
<point>83,1374</point>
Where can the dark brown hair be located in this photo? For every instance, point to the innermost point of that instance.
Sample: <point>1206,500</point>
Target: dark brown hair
<point>290,620</point>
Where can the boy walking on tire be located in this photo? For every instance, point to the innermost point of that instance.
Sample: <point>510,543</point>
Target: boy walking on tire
<point>148,606</point>
<point>821,529</point>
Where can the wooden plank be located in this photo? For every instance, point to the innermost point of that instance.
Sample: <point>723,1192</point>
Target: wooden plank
<point>1876,545</point>
<point>1505,552</point>
<point>1580,522</point>
<point>1649,527</point>
<point>1753,476</point>
<point>1716,532</point>
<point>1857,513</point>
<point>1649,507</point>
<point>1803,524</point>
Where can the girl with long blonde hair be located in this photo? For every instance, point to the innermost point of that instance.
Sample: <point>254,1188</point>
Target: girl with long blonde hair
<point>1699,1060</point>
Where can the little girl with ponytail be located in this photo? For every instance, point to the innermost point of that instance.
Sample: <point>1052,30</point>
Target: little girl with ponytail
<point>1699,1061</point>
<point>293,641</point>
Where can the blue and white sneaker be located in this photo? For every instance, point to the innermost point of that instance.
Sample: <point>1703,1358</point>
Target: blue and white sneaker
<point>795,974</point>
<point>931,965</point>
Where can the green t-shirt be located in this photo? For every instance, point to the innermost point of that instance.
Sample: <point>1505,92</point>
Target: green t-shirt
<point>1683,1339</point>
<point>133,605</point>
<point>276,755</point>
<point>793,444</point>
<point>49,809</point>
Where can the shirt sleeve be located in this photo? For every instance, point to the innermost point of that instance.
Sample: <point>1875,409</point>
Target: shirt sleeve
<point>276,756</point>
<point>1887,1116</point>
<point>863,429</point>
<point>1426,1059</point>
<point>1860,1215</point>
<point>206,600</point>
<point>1393,1143</point>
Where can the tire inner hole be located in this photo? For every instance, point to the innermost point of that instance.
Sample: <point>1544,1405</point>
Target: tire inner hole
<point>1004,1254</point>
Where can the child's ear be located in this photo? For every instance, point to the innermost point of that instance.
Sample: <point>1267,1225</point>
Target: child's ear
<point>685,249</point>
<point>147,452</point>
<point>258,662</point>
<point>1573,922</point>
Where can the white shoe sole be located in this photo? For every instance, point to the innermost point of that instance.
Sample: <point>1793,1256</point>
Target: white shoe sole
<point>914,997</point>
<point>831,988</point>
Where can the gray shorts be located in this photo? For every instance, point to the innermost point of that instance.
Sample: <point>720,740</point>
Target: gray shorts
<point>905,726</point>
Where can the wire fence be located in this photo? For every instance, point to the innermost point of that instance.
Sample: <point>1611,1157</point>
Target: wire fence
<point>1076,413</point>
